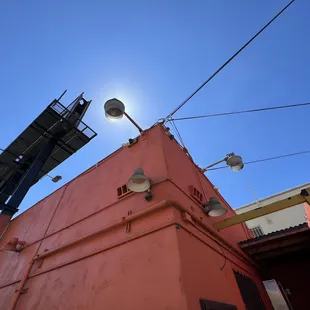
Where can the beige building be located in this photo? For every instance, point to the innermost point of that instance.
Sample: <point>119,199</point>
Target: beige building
<point>278,220</point>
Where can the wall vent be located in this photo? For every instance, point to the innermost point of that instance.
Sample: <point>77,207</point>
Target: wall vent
<point>196,194</point>
<point>123,191</point>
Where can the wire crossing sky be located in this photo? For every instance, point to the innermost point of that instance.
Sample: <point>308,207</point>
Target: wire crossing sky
<point>153,54</point>
<point>228,61</point>
<point>265,159</point>
<point>242,112</point>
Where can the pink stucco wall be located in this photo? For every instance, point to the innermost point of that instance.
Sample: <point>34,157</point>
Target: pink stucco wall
<point>163,262</point>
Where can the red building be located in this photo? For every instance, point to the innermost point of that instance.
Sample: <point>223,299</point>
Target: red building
<point>93,244</point>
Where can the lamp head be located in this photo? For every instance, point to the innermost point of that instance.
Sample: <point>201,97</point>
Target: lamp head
<point>138,182</point>
<point>234,162</point>
<point>114,109</point>
<point>214,208</point>
<point>57,178</point>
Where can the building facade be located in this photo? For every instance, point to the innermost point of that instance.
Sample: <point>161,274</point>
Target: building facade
<point>93,244</point>
<point>279,220</point>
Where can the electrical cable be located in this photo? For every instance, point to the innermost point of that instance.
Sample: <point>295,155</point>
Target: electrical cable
<point>265,159</point>
<point>227,62</point>
<point>178,133</point>
<point>200,183</point>
<point>241,112</point>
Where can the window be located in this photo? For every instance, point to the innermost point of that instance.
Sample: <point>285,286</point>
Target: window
<point>214,305</point>
<point>249,292</point>
<point>257,231</point>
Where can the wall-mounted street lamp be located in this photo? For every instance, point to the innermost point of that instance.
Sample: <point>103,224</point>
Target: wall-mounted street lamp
<point>233,161</point>
<point>214,208</point>
<point>115,109</point>
<point>55,179</point>
<point>139,183</point>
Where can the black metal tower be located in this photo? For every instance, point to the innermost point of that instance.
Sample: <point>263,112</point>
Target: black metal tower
<point>50,139</point>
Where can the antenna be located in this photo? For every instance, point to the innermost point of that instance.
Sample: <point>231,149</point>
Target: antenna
<point>269,221</point>
<point>254,195</point>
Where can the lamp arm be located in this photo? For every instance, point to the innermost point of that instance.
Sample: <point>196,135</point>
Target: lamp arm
<point>133,122</point>
<point>212,165</point>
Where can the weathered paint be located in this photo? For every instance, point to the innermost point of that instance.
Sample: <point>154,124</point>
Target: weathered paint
<point>132,276</point>
<point>163,262</point>
<point>209,274</point>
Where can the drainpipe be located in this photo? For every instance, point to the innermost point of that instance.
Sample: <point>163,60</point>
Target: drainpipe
<point>124,220</point>
<point>164,203</point>
<point>21,286</point>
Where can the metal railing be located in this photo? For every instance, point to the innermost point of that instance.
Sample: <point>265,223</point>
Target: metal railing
<point>65,113</point>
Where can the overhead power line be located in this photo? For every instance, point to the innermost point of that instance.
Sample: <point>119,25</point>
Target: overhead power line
<point>265,159</point>
<point>178,133</point>
<point>227,62</point>
<point>242,112</point>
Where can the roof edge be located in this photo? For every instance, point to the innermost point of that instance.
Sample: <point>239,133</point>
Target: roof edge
<point>274,196</point>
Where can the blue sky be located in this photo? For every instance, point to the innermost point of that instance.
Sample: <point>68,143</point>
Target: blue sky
<point>152,55</point>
